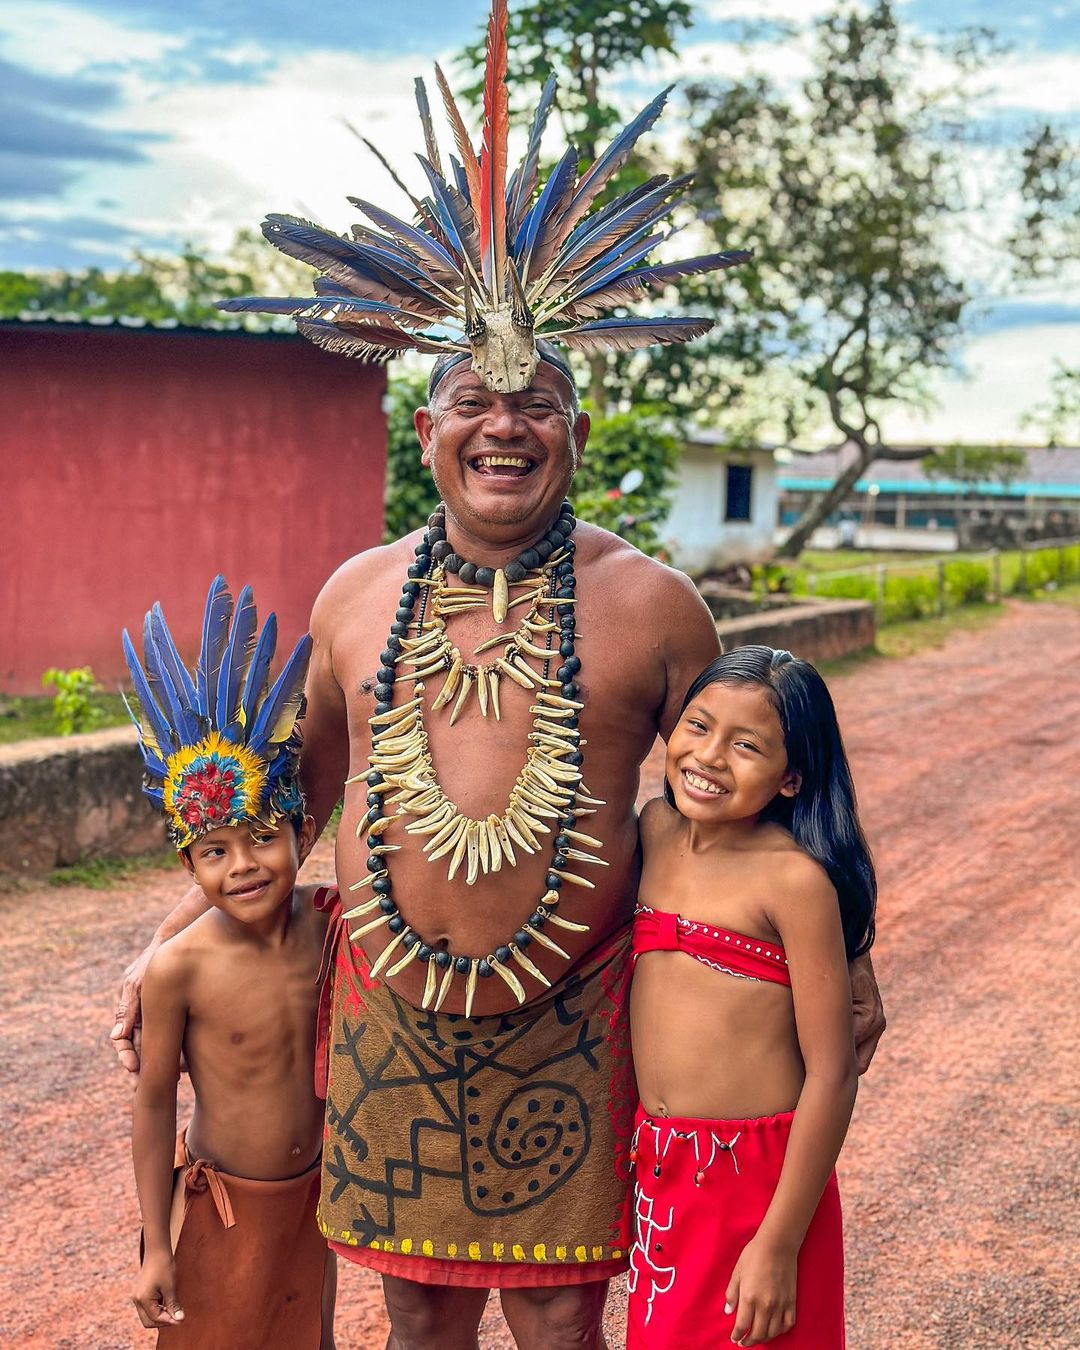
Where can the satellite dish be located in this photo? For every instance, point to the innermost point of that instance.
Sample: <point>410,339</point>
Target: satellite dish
<point>631,481</point>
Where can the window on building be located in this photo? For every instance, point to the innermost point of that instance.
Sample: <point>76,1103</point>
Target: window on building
<point>737,498</point>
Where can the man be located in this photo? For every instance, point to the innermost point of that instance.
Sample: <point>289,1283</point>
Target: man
<point>479,1092</point>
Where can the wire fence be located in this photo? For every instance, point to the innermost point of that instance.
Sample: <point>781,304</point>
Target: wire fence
<point>930,587</point>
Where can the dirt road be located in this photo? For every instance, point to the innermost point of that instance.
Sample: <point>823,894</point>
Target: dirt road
<point>959,1173</point>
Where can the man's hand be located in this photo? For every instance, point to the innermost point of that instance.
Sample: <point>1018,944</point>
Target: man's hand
<point>126,1033</point>
<point>868,1016</point>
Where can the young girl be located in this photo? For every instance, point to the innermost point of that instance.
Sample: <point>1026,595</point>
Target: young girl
<point>757,890</point>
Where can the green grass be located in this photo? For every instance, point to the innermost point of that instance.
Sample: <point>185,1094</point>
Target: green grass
<point>101,874</point>
<point>25,719</point>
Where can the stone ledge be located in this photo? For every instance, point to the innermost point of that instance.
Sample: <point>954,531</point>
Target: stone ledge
<point>72,797</point>
<point>817,630</point>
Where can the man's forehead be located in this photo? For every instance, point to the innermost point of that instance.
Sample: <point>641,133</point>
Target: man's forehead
<point>548,379</point>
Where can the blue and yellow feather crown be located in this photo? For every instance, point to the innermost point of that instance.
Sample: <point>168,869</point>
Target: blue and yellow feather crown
<point>220,746</point>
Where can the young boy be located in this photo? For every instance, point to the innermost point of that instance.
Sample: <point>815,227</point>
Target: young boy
<point>232,1254</point>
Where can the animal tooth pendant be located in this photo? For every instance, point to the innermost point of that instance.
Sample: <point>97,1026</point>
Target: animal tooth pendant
<point>500,596</point>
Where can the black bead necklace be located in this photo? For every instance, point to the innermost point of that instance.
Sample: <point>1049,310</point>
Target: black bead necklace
<point>562,709</point>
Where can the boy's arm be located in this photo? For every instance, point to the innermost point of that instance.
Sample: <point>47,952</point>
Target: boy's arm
<point>808,922</point>
<point>153,1132</point>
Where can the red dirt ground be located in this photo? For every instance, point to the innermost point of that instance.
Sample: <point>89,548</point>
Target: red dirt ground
<point>959,1171</point>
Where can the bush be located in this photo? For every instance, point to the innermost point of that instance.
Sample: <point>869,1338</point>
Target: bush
<point>966,583</point>
<point>909,597</point>
<point>73,707</point>
<point>846,588</point>
<point>410,490</point>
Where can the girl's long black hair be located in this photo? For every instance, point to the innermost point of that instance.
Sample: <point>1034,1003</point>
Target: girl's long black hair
<point>822,817</point>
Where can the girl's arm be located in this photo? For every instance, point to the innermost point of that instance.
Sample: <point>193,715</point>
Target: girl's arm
<point>808,922</point>
<point>153,1135</point>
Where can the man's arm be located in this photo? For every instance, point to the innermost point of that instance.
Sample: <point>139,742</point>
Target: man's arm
<point>153,1135</point>
<point>127,1029</point>
<point>866,1011</point>
<point>324,762</point>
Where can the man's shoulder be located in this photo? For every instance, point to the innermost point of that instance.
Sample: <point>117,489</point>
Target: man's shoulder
<point>618,560</point>
<point>354,578</point>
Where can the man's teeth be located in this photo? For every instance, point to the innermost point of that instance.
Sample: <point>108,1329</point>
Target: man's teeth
<point>702,784</point>
<point>499,461</point>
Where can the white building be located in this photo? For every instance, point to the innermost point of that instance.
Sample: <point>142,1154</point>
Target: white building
<point>724,506</point>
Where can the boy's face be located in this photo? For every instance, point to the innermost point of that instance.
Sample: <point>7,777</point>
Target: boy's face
<point>247,870</point>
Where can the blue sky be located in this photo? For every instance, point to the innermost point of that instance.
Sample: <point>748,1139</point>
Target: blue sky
<point>144,123</point>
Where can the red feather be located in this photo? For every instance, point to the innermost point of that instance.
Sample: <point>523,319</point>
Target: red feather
<point>493,155</point>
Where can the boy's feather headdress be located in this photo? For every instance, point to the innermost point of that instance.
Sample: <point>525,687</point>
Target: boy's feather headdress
<point>220,746</point>
<point>490,263</point>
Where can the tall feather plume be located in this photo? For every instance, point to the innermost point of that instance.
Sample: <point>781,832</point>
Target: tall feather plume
<point>235,662</point>
<point>469,163</point>
<point>258,675</point>
<point>527,172</point>
<point>493,156</point>
<point>276,718</point>
<point>162,644</point>
<point>400,286</point>
<point>424,109</point>
<point>215,635</point>
<point>153,724</point>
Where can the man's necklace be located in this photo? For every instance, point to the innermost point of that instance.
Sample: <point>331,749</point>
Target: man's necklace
<point>549,787</point>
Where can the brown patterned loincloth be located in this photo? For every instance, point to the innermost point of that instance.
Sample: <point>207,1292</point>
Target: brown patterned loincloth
<point>489,1139</point>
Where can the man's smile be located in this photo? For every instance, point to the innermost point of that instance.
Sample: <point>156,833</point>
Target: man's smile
<point>491,464</point>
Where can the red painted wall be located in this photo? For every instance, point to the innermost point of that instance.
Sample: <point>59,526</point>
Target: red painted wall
<point>135,464</point>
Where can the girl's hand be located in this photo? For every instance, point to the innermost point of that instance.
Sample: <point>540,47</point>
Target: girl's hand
<point>155,1294</point>
<point>762,1289</point>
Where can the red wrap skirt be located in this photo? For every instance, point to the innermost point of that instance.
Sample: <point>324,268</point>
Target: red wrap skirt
<point>701,1190</point>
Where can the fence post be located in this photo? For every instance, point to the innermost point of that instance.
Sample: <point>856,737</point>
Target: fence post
<point>995,572</point>
<point>1022,579</point>
<point>880,570</point>
<point>811,583</point>
<point>940,587</point>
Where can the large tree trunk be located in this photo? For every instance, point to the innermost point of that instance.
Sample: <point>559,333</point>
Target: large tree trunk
<point>822,507</point>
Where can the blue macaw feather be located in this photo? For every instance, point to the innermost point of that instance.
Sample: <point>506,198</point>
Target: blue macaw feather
<point>456,215</point>
<point>461,178</point>
<point>622,287</point>
<point>431,145</point>
<point>627,335</point>
<point>626,254</point>
<point>150,659</point>
<point>532,237</point>
<point>593,246</point>
<point>523,183</point>
<point>258,675</point>
<point>606,165</point>
<point>600,217</point>
<point>370,342</point>
<point>180,693</point>
<point>419,241</point>
<point>153,719</point>
<point>215,634</point>
<point>276,718</point>
<point>234,665</point>
<point>265,304</point>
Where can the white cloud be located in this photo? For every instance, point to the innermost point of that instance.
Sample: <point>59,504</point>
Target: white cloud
<point>1009,372</point>
<point>790,11</point>
<point>65,39</point>
<point>1045,82</point>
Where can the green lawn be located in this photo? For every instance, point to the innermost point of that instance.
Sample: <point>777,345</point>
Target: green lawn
<point>24,719</point>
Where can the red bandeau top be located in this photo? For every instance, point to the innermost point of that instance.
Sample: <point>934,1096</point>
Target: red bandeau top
<point>720,948</point>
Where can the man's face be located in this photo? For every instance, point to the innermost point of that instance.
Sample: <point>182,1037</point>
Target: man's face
<point>502,460</point>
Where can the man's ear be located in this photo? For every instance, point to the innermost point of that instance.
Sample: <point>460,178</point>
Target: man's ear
<point>305,838</point>
<point>582,424</point>
<point>425,426</point>
<point>791,785</point>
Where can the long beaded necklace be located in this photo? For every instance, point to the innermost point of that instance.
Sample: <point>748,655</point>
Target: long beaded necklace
<point>550,787</point>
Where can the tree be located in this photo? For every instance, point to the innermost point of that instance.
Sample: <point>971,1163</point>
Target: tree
<point>583,43</point>
<point>159,287</point>
<point>1058,418</point>
<point>972,465</point>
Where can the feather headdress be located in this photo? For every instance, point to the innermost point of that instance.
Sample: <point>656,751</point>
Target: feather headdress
<point>491,263</point>
<point>220,746</point>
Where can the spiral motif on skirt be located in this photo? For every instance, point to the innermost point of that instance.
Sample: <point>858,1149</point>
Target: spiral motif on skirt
<point>537,1138</point>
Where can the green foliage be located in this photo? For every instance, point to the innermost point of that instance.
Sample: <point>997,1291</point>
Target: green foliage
<point>1058,416</point>
<point>160,288</point>
<point>975,464</point>
<point>1047,235</point>
<point>966,583</point>
<point>102,874</point>
<point>909,597</point>
<point>73,707</point>
<point>410,490</point>
<point>640,438</point>
<point>771,578</point>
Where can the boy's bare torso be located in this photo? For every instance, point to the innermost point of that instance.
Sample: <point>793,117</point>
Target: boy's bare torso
<point>636,622</point>
<point>249,1042</point>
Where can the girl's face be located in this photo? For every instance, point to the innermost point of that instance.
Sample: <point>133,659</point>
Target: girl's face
<point>726,759</point>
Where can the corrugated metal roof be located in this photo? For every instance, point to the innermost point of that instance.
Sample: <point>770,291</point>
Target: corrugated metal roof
<point>127,323</point>
<point>1049,471</point>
